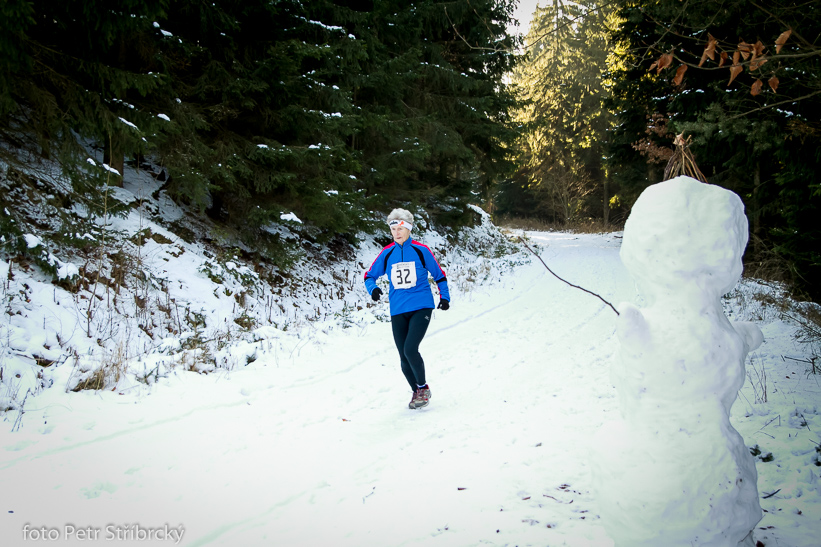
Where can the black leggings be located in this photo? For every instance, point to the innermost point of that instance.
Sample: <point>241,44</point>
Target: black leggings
<point>408,330</point>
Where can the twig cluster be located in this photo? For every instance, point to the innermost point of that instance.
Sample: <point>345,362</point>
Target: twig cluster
<point>682,161</point>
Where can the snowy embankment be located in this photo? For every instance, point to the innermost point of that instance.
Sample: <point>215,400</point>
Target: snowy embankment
<point>117,302</point>
<point>310,442</point>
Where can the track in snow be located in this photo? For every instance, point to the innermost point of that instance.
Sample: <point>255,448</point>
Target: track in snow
<point>316,446</point>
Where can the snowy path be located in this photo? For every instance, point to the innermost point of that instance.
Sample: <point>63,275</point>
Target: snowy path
<point>314,444</point>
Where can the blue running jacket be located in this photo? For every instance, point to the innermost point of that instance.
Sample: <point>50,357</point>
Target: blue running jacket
<point>407,267</point>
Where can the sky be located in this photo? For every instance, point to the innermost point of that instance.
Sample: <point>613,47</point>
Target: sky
<point>524,11</point>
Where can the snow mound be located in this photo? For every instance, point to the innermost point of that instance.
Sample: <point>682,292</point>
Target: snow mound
<point>677,469</point>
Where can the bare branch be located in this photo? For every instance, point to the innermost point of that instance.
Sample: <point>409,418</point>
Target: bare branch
<point>452,24</point>
<point>765,107</point>
<point>683,162</point>
<point>569,22</point>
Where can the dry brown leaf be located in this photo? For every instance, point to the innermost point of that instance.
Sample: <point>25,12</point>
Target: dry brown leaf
<point>679,74</point>
<point>723,59</point>
<point>711,46</point>
<point>779,43</point>
<point>745,49</point>
<point>654,65</point>
<point>709,50</point>
<point>758,49</point>
<point>736,57</point>
<point>735,70</point>
<point>664,61</point>
<point>755,89</point>
<point>773,83</point>
<point>755,64</point>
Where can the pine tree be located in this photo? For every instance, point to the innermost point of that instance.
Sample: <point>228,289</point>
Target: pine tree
<point>331,111</point>
<point>434,106</point>
<point>325,108</point>
<point>78,68</point>
<point>564,86</point>
<point>704,69</point>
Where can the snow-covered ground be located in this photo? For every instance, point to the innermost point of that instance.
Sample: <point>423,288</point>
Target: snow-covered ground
<point>303,436</point>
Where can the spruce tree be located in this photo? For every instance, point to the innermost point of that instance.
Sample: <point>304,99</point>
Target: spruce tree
<point>433,124</point>
<point>746,91</point>
<point>564,122</point>
<point>325,108</point>
<point>79,69</point>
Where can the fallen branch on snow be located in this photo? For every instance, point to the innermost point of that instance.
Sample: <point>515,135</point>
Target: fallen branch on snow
<point>562,280</point>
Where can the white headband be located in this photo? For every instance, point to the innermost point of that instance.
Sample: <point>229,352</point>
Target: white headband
<point>401,223</point>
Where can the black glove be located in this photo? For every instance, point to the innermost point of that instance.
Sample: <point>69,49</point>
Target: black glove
<point>443,304</point>
<point>377,292</point>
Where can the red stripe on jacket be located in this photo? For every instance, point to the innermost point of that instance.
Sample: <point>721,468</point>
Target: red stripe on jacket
<point>431,254</point>
<point>380,254</point>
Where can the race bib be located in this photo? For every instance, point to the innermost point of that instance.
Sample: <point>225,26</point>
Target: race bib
<point>403,275</point>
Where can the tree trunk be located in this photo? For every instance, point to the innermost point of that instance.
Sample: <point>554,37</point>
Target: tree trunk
<point>113,154</point>
<point>756,209</point>
<point>113,157</point>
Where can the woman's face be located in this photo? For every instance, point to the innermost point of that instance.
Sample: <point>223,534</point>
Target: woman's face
<point>400,234</point>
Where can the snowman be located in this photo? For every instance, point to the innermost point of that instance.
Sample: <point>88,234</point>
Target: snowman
<point>671,470</point>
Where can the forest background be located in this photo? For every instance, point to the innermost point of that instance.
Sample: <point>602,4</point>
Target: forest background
<point>254,113</point>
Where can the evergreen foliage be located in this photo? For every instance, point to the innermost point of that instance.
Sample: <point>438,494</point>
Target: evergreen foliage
<point>329,109</point>
<point>760,141</point>
<point>433,103</point>
<point>77,68</point>
<point>564,84</point>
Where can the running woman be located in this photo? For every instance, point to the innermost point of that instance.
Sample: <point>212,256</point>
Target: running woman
<point>407,264</point>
